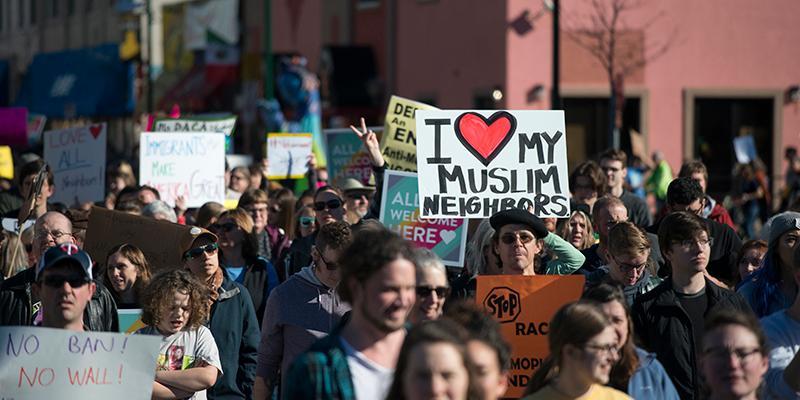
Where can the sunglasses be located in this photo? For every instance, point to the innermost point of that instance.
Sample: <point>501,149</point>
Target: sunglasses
<point>57,281</point>
<point>425,291</point>
<point>330,266</point>
<point>511,238</point>
<point>331,204</point>
<point>226,227</point>
<point>306,221</point>
<point>198,251</point>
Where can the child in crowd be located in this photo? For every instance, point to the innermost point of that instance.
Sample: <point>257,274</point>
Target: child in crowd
<point>188,362</point>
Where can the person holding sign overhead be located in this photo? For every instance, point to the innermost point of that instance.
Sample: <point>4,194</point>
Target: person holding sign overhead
<point>518,240</point>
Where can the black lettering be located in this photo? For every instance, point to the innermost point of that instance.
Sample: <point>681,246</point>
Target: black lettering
<point>506,204</point>
<point>473,205</point>
<point>490,207</point>
<point>455,176</point>
<point>484,181</point>
<point>398,108</point>
<point>561,202</point>
<point>503,180</point>
<point>539,201</point>
<point>551,144</point>
<point>437,140</point>
<point>526,143</point>
<point>449,206</point>
<point>430,205</point>
<point>544,177</point>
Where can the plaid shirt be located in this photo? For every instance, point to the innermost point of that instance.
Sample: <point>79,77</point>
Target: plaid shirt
<point>321,372</point>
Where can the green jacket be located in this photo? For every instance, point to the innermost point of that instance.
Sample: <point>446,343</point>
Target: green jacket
<point>567,259</point>
<point>321,372</point>
<point>659,180</point>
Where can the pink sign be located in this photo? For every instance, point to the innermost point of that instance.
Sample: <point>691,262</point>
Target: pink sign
<point>14,126</point>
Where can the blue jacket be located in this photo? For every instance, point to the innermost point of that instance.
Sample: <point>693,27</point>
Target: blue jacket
<point>650,381</point>
<point>235,329</point>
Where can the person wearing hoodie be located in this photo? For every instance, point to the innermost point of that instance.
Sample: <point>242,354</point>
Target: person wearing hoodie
<point>301,310</point>
<point>628,255</point>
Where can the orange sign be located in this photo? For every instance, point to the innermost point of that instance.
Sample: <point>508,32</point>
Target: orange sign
<point>524,306</point>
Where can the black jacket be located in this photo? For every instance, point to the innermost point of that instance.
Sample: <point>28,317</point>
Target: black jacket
<point>664,328</point>
<point>259,282</point>
<point>17,306</point>
<point>723,252</point>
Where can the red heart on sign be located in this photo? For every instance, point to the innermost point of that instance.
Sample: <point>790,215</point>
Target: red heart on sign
<point>483,137</point>
<point>96,130</point>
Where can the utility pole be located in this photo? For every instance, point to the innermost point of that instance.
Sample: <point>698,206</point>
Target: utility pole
<point>149,16</point>
<point>555,94</point>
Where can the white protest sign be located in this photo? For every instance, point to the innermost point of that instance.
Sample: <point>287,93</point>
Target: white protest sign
<point>288,155</point>
<point>472,164</point>
<point>222,125</point>
<point>184,164</point>
<point>42,363</point>
<point>745,149</point>
<point>77,157</point>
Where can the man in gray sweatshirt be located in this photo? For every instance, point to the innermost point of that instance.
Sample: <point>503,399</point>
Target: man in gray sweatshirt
<point>301,310</point>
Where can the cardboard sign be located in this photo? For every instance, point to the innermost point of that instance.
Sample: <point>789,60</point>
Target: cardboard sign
<point>77,157</point>
<point>6,163</point>
<point>14,126</point>
<point>399,141</point>
<point>43,363</point>
<point>473,164</point>
<point>184,164</point>
<point>130,320</point>
<point>288,155</point>
<point>446,237</point>
<point>224,125</point>
<point>524,305</point>
<point>158,240</point>
<point>346,155</point>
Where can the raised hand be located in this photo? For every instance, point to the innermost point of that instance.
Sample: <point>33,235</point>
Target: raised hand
<point>370,140</point>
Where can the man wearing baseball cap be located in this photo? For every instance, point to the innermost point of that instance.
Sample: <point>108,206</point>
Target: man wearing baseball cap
<point>232,318</point>
<point>64,284</point>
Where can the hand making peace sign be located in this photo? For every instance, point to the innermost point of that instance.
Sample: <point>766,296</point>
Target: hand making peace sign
<point>370,140</point>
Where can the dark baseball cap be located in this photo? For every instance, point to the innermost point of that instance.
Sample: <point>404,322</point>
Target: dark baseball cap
<point>67,252</point>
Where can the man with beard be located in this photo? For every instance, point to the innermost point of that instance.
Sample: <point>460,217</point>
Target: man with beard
<point>357,360</point>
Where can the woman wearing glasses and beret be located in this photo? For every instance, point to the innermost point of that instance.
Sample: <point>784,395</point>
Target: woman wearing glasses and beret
<point>518,240</point>
<point>432,287</point>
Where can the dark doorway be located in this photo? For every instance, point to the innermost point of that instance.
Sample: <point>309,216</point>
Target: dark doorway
<point>587,126</point>
<point>717,122</point>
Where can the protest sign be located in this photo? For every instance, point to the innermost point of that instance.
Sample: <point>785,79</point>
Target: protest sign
<point>218,124</point>
<point>524,305</point>
<point>347,157</point>
<point>288,155</point>
<point>14,126</point>
<point>43,363</point>
<point>158,240</point>
<point>445,237</point>
<point>184,164</point>
<point>77,157</point>
<point>399,142</point>
<point>745,149</point>
<point>475,163</point>
<point>6,163</point>
<point>130,320</point>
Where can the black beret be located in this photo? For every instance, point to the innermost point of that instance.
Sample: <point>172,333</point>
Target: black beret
<point>518,216</point>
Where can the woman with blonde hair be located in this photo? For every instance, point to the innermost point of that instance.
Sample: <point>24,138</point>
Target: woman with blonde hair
<point>578,230</point>
<point>126,274</point>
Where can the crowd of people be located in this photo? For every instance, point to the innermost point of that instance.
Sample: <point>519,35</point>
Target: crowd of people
<point>309,296</point>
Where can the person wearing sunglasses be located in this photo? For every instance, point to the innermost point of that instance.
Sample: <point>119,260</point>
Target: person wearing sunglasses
<point>65,286</point>
<point>302,310</point>
<point>629,266</point>
<point>432,287</point>
<point>239,259</point>
<point>232,318</point>
<point>519,239</point>
<point>357,196</point>
<point>305,222</point>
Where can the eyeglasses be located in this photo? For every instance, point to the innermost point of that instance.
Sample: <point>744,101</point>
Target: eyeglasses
<point>357,196</point>
<point>210,248</point>
<point>511,238</point>
<point>54,234</point>
<point>226,227</point>
<point>331,204</point>
<point>425,291</point>
<point>57,281</point>
<point>306,221</point>
<point>330,266</point>
<point>610,349</point>
<point>722,353</point>
<point>752,260</point>
<point>688,243</point>
<point>625,267</point>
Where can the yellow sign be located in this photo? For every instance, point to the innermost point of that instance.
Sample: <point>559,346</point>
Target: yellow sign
<point>6,163</point>
<point>399,141</point>
<point>524,305</point>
